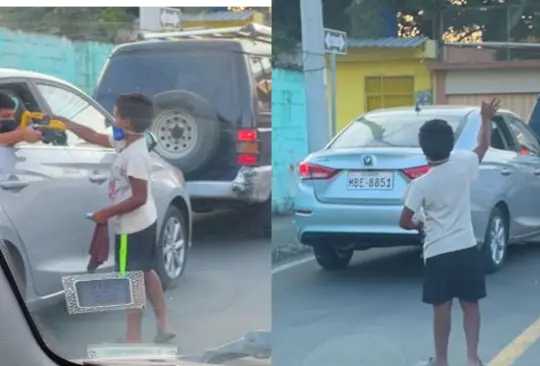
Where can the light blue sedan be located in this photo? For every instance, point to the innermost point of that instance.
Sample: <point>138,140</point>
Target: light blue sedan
<point>349,196</point>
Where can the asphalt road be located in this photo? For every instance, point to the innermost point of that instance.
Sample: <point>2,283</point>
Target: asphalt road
<point>371,314</point>
<point>225,292</point>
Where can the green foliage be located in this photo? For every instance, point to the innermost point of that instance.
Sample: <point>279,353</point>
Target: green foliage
<point>499,21</point>
<point>114,19</point>
<point>365,20</point>
<point>76,23</point>
<point>286,28</point>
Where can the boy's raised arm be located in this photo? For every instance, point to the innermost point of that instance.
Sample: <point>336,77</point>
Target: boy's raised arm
<point>86,133</point>
<point>487,112</point>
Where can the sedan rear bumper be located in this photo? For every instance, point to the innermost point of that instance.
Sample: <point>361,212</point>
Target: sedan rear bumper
<point>359,226</point>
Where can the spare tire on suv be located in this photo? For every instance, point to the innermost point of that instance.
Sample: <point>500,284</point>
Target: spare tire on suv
<point>187,129</point>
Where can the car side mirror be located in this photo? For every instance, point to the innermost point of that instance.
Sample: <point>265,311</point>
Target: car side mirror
<point>151,140</point>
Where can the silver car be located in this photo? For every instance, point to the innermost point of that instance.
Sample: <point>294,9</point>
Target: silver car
<point>349,196</point>
<point>47,189</point>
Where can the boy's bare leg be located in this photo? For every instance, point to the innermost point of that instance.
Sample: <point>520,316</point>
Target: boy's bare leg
<point>134,325</point>
<point>471,326</point>
<point>154,290</point>
<point>442,324</point>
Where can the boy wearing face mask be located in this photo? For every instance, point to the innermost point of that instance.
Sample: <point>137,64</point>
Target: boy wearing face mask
<point>132,205</point>
<point>10,134</point>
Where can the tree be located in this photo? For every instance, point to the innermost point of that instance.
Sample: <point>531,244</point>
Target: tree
<point>488,20</point>
<point>458,20</point>
<point>76,23</point>
<point>286,30</point>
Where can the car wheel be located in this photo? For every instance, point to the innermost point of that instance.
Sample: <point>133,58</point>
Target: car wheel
<point>186,128</point>
<point>495,241</point>
<point>172,248</point>
<point>331,258</point>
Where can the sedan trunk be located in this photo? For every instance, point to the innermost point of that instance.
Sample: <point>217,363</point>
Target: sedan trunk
<point>368,176</point>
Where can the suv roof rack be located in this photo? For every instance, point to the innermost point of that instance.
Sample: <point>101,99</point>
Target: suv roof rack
<point>252,31</point>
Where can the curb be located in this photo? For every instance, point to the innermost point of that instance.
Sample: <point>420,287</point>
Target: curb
<point>286,255</point>
<point>285,245</point>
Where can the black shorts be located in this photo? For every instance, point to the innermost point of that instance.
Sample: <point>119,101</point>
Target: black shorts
<point>141,250</point>
<point>458,274</point>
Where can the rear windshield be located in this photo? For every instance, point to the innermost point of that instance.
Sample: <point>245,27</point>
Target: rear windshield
<point>212,74</point>
<point>390,130</point>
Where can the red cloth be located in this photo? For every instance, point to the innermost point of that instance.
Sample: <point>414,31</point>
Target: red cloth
<point>99,247</point>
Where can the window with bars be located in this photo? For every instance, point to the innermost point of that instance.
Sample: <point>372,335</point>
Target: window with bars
<point>389,91</point>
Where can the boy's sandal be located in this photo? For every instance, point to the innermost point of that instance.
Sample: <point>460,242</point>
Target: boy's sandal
<point>429,362</point>
<point>164,337</point>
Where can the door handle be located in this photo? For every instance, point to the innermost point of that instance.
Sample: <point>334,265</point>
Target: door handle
<point>98,178</point>
<point>505,172</point>
<point>13,184</point>
<point>536,172</point>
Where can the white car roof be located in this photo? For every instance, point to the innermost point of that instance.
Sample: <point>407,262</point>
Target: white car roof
<point>16,73</point>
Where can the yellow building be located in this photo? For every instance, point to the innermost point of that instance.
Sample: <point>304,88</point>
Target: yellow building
<point>223,19</point>
<point>381,73</point>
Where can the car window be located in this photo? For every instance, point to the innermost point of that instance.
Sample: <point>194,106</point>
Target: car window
<point>262,73</point>
<point>500,138</point>
<point>525,138</point>
<point>386,130</point>
<point>24,100</point>
<point>66,103</point>
<point>209,73</point>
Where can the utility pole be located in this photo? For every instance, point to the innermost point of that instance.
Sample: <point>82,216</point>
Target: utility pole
<point>314,60</point>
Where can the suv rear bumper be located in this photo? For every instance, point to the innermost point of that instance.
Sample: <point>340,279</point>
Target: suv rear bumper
<point>251,185</point>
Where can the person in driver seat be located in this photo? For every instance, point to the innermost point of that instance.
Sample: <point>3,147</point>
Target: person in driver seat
<point>10,133</point>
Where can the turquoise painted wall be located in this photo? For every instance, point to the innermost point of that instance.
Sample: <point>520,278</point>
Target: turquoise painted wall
<point>289,136</point>
<point>79,63</point>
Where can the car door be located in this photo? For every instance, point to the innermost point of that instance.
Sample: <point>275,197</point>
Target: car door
<point>39,191</point>
<point>502,177</point>
<point>91,162</point>
<point>528,147</point>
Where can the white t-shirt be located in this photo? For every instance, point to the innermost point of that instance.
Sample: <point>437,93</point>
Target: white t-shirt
<point>133,161</point>
<point>443,197</point>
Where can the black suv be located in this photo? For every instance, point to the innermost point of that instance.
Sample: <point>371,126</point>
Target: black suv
<point>212,89</point>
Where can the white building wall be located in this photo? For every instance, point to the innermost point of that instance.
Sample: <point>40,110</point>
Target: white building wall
<point>493,81</point>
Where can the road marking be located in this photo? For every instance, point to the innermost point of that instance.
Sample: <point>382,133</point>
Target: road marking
<point>515,349</point>
<point>287,266</point>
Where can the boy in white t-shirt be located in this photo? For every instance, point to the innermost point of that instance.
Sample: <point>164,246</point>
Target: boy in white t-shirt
<point>453,265</point>
<point>132,210</point>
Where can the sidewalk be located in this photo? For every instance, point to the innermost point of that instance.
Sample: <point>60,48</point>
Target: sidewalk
<point>285,246</point>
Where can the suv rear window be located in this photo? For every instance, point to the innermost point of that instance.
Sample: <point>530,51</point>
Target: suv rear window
<point>386,130</point>
<point>208,73</point>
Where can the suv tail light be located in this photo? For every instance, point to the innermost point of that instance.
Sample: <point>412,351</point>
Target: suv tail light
<point>309,171</point>
<point>416,172</point>
<point>247,147</point>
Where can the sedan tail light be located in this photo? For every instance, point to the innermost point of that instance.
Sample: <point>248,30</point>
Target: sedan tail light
<point>416,172</point>
<point>309,171</point>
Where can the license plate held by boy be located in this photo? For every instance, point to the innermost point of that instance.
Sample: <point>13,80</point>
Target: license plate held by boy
<point>370,180</point>
<point>98,292</point>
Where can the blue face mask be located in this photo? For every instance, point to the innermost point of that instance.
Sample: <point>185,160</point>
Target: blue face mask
<point>118,133</point>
